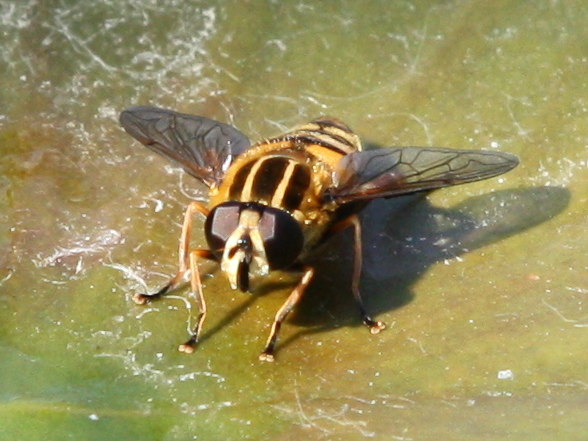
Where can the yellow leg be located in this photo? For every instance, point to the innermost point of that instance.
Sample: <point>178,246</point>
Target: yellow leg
<point>184,251</point>
<point>353,221</point>
<point>293,298</point>
<point>196,285</point>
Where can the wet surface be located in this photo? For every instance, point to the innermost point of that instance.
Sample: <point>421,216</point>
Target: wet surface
<point>482,286</point>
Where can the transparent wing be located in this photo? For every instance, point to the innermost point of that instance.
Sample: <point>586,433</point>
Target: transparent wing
<point>390,172</point>
<point>203,147</point>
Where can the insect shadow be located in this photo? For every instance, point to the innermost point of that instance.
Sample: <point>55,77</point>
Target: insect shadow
<point>402,238</point>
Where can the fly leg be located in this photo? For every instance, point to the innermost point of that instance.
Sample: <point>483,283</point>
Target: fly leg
<point>196,286</point>
<point>293,298</point>
<point>184,255</point>
<point>353,221</point>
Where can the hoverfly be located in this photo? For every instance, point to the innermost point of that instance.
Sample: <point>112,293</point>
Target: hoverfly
<point>274,202</point>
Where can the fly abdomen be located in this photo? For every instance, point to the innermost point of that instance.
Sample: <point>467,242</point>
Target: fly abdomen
<point>329,133</point>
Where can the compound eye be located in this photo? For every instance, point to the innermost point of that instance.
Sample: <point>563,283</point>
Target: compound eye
<point>282,237</point>
<point>220,224</point>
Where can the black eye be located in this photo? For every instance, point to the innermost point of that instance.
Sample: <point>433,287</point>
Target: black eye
<point>282,237</point>
<point>220,224</point>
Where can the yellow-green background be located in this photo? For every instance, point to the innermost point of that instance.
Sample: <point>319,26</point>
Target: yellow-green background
<point>475,282</point>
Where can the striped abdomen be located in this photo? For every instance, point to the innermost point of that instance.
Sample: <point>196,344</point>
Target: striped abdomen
<point>329,133</point>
